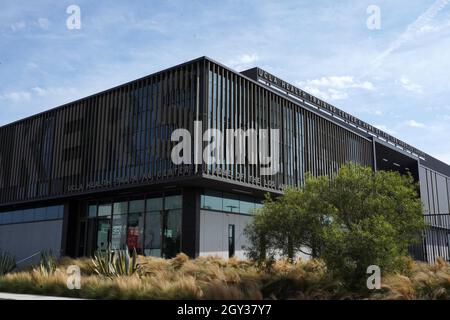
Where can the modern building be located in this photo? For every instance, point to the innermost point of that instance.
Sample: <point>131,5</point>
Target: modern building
<point>97,172</point>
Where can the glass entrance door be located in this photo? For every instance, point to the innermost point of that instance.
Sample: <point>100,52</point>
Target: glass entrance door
<point>151,225</point>
<point>87,236</point>
<point>103,233</point>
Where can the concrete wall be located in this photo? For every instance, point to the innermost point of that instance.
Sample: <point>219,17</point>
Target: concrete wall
<point>214,233</point>
<point>24,239</point>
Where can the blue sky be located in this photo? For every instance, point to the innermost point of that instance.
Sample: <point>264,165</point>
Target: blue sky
<point>397,77</point>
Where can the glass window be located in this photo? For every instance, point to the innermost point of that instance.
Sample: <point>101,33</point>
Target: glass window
<point>28,215</point>
<point>92,211</point>
<point>137,206</point>
<point>212,200</point>
<point>119,231</point>
<point>52,212</point>
<point>173,202</point>
<point>120,208</point>
<point>247,205</point>
<point>104,210</point>
<point>171,233</point>
<point>135,231</point>
<point>39,214</point>
<point>2,214</point>
<point>153,234</point>
<point>60,212</point>
<point>154,204</point>
<point>17,216</point>
<point>230,202</point>
<point>7,217</point>
<point>103,231</point>
<point>258,205</point>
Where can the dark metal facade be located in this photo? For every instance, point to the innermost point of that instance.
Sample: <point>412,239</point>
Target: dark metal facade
<point>114,138</point>
<point>119,139</point>
<point>308,141</point>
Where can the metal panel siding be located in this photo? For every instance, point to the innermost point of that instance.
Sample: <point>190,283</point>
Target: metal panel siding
<point>103,141</point>
<point>113,146</point>
<point>324,146</point>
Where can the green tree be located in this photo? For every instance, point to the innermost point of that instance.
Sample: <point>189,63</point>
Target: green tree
<point>351,220</point>
<point>290,224</point>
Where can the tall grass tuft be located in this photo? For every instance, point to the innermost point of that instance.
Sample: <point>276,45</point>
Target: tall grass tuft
<point>217,278</point>
<point>47,263</point>
<point>7,263</point>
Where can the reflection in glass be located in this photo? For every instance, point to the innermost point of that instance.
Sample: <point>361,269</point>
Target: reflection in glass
<point>118,234</point>
<point>171,233</point>
<point>153,234</point>
<point>246,205</point>
<point>212,200</point>
<point>151,226</point>
<point>230,202</point>
<point>103,230</point>
<point>104,210</point>
<point>154,204</point>
<point>137,206</point>
<point>92,211</point>
<point>120,207</point>
<point>135,231</point>
<point>172,202</point>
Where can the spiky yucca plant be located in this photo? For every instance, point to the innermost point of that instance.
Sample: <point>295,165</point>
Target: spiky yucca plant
<point>7,263</point>
<point>115,263</point>
<point>47,263</point>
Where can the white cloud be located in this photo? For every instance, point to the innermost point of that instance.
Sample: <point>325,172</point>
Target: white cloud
<point>385,129</point>
<point>16,96</point>
<point>44,23</point>
<point>329,94</point>
<point>32,66</point>
<point>422,25</point>
<point>50,92</point>
<point>340,82</point>
<point>377,112</point>
<point>53,91</point>
<point>244,61</point>
<point>334,87</point>
<point>39,91</point>
<point>248,58</point>
<point>410,86</point>
<point>367,110</point>
<point>414,124</point>
<point>17,26</point>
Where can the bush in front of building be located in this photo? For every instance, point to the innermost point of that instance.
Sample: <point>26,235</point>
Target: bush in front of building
<point>217,278</point>
<point>355,219</point>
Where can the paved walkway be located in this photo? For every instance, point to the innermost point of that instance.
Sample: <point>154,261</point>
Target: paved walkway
<point>16,296</point>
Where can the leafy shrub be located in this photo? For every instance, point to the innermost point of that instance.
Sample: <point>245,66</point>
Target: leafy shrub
<point>352,220</point>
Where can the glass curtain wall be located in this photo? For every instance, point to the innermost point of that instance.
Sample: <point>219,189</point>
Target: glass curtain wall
<point>150,225</point>
<point>308,142</point>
